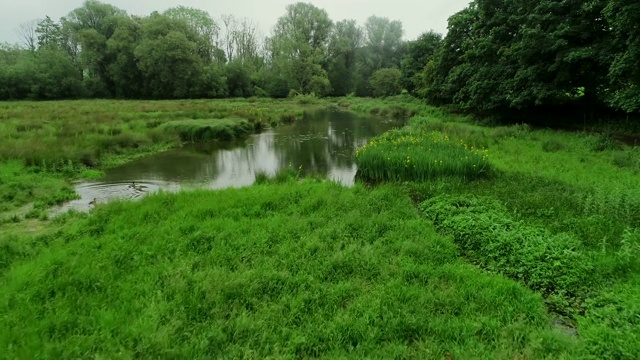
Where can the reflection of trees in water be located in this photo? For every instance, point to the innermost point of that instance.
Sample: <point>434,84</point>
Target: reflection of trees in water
<point>178,165</point>
<point>322,143</point>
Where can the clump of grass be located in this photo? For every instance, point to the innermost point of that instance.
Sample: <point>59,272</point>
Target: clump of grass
<point>288,118</point>
<point>209,129</point>
<point>404,155</point>
<point>516,131</point>
<point>603,142</point>
<point>628,159</point>
<point>307,99</point>
<point>553,145</point>
<point>472,135</point>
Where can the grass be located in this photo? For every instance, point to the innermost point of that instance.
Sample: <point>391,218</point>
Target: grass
<point>20,187</point>
<point>560,213</point>
<point>202,130</point>
<point>441,264</point>
<point>276,270</point>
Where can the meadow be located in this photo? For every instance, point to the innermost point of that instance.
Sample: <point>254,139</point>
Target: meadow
<point>465,241</point>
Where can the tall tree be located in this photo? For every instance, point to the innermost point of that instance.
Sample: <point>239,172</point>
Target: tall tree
<point>92,25</point>
<point>623,17</point>
<point>169,61</point>
<point>299,47</point>
<point>204,30</point>
<point>48,33</point>
<point>346,38</point>
<point>419,53</point>
<point>27,33</point>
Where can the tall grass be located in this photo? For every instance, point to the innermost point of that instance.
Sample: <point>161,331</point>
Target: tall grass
<point>20,186</point>
<point>299,270</point>
<point>209,129</point>
<point>404,155</point>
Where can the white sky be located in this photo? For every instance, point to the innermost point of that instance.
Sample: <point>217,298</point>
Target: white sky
<point>417,16</point>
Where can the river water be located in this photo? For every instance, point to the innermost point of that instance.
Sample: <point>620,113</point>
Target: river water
<point>322,143</point>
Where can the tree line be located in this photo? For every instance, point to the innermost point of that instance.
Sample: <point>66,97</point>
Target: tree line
<point>98,50</point>
<point>501,56</point>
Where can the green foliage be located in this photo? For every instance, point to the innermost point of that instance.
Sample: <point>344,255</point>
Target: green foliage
<point>386,82</point>
<point>419,53</point>
<point>209,129</point>
<point>487,236</point>
<point>610,326</point>
<point>274,270</point>
<point>403,155</point>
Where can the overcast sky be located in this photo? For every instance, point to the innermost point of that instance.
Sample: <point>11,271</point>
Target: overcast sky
<point>417,16</point>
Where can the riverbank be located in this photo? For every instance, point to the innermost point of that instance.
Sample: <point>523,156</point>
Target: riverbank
<point>43,145</point>
<point>537,258</point>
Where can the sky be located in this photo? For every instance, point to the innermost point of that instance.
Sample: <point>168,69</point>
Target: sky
<point>417,16</point>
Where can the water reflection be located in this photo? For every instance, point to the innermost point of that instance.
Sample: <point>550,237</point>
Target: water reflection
<point>323,143</point>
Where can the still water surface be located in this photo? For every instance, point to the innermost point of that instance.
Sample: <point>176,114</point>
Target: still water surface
<point>322,143</point>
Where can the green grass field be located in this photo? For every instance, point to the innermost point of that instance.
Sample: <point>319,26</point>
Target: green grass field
<point>537,258</point>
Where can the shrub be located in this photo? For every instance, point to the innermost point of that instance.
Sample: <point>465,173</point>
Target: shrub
<point>603,142</point>
<point>288,118</point>
<point>402,155</point>
<point>386,82</point>
<point>487,235</point>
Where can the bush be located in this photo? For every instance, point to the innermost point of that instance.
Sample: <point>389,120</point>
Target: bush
<point>288,118</point>
<point>386,82</point>
<point>603,142</point>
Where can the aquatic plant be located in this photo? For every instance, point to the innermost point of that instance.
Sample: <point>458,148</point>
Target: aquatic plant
<point>404,155</point>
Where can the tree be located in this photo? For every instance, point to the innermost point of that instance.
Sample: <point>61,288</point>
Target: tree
<point>27,33</point>
<point>299,45</point>
<point>204,31</point>
<point>384,38</point>
<point>386,82</point>
<point>123,71</point>
<point>169,61</point>
<point>383,48</point>
<point>90,27</point>
<point>48,34</point>
<point>346,38</point>
<point>623,17</point>
<point>419,53</point>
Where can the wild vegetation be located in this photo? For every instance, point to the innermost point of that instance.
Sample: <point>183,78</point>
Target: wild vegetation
<point>262,271</point>
<point>468,241</point>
